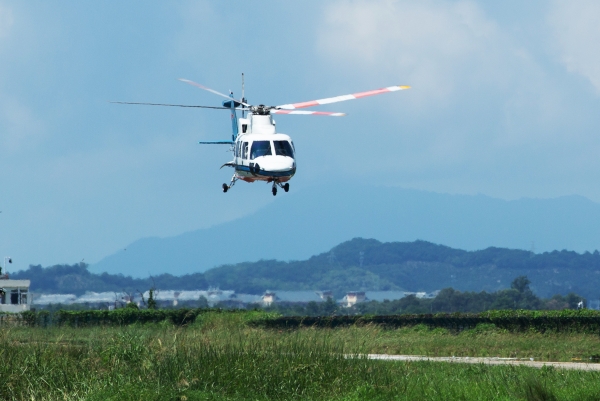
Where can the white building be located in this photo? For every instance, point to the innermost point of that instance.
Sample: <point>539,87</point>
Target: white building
<point>354,297</point>
<point>14,295</point>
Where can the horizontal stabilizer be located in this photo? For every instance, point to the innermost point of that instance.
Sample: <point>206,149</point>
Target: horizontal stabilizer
<point>216,142</point>
<point>227,104</point>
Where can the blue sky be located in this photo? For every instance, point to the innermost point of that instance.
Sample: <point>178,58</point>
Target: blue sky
<point>504,102</point>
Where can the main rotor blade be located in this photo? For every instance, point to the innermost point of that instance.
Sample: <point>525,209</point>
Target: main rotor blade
<point>174,105</point>
<point>342,98</point>
<point>197,85</point>
<point>306,112</point>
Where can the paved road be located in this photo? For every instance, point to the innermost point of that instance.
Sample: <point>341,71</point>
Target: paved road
<point>489,361</point>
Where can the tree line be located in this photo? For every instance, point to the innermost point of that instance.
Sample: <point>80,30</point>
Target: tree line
<point>518,296</point>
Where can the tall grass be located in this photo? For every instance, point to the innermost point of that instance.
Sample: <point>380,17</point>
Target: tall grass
<point>219,358</point>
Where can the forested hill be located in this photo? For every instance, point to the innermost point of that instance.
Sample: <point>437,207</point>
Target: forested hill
<point>359,264</point>
<point>367,264</point>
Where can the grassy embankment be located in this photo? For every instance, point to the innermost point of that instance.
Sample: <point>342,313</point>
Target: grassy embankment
<point>219,357</point>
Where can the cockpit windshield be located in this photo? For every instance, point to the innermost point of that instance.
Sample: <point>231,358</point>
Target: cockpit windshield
<point>260,148</point>
<point>283,148</point>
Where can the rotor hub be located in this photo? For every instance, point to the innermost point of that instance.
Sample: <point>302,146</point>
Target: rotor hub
<point>262,110</point>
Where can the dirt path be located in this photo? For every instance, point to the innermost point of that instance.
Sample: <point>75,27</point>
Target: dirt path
<point>489,361</point>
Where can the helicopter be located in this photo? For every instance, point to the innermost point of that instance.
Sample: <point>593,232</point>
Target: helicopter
<point>260,153</point>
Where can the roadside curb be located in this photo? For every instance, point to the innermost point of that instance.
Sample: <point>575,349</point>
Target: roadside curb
<point>489,361</point>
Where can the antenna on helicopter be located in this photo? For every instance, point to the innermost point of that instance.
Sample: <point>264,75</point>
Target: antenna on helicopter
<point>243,98</point>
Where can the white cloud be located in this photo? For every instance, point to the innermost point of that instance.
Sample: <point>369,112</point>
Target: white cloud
<point>458,61</point>
<point>422,43</point>
<point>576,28</point>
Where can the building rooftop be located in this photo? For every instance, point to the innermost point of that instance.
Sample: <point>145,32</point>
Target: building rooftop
<point>14,283</point>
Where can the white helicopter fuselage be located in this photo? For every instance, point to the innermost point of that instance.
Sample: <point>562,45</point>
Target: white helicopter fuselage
<point>259,152</point>
<point>262,154</point>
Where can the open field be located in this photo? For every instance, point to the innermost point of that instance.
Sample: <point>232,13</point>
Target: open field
<point>220,357</point>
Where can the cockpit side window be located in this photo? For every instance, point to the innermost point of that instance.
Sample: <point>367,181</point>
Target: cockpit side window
<point>260,148</point>
<point>283,148</point>
<point>245,150</point>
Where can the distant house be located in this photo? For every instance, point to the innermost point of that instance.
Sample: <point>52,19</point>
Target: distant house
<point>14,295</point>
<point>268,298</point>
<point>353,297</point>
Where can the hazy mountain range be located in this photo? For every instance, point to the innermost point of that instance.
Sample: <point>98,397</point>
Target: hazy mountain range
<point>312,221</point>
<point>359,264</point>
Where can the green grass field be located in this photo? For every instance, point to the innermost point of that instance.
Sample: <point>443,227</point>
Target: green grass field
<point>220,358</point>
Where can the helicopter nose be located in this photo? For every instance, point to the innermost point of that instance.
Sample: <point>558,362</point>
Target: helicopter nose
<point>278,163</point>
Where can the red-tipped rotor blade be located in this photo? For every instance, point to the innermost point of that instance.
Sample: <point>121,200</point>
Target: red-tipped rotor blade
<point>307,112</point>
<point>197,85</point>
<point>342,98</point>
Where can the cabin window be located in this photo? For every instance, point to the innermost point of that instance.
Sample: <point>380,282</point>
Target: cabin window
<point>245,150</point>
<point>283,148</point>
<point>260,148</point>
